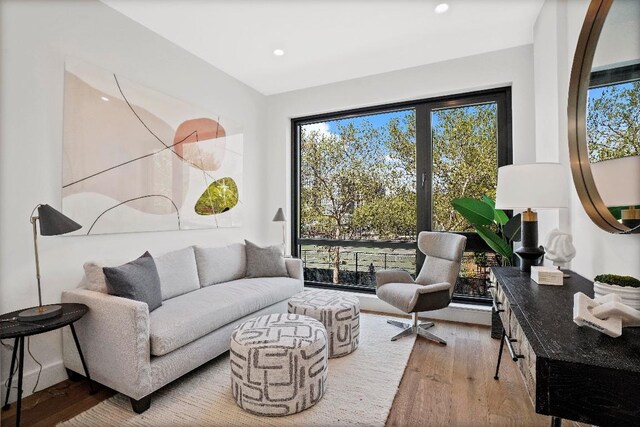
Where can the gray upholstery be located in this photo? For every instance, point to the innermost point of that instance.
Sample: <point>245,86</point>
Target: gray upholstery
<point>117,333</point>
<point>178,272</point>
<point>182,320</point>
<point>137,280</point>
<point>265,261</point>
<point>432,289</point>
<point>221,264</point>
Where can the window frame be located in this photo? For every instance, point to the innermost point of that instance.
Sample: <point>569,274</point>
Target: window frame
<point>423,108</point>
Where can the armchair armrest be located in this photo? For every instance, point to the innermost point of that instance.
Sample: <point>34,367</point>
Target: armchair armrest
<point>114,336</point>
<point>436,287</point>
<point>392,276</point>
<point>294,268</point>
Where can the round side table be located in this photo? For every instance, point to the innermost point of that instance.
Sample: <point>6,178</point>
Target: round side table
<point>10,327</point>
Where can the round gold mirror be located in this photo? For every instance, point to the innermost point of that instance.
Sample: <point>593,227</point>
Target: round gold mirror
<point>604,115</point>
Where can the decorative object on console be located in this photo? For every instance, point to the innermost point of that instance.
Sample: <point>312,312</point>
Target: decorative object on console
<point>619,185</point>
<point>527,186</point>
<point>546,275</point>
<point>606,314</point>
<point>138,160</point>
<point>279,217</point>
<point>627,287</point>
<point>559,248</point>
<point>52,223</point>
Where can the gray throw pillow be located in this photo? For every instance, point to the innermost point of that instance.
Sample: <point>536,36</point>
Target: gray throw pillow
<point>178,272</point>
<point>265,262</point>
<point>137,280</point>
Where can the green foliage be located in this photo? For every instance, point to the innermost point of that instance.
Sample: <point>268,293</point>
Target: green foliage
<point>465,161</point>
<point>613,122</point>
<point>490,224</point>
<point>614,279</point>
<point>220,196</point>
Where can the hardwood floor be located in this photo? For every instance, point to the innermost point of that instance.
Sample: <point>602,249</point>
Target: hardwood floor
<point>442,385</point>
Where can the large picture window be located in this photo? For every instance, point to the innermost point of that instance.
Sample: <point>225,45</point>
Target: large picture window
<point>366,182</point>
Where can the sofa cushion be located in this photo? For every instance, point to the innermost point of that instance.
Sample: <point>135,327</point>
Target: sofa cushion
<point>94,279</point>
<point>190,316</point>
<point>137,280</point>
<point>265,261</point>
<point>178,272</point>
<point>222,264</point>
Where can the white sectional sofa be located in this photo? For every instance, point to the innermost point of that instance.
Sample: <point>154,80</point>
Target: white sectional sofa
<point>136,352</point>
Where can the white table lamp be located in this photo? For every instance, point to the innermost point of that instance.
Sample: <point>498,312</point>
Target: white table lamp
<point>537,186</point>
<point>618,183</point>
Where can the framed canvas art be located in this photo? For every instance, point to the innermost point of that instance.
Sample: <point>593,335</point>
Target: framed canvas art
<point>138,160</point>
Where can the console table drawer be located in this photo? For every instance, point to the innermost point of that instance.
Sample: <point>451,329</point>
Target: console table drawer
<point>527,362</point>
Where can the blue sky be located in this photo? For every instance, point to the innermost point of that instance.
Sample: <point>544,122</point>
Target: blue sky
<point>377,120</point>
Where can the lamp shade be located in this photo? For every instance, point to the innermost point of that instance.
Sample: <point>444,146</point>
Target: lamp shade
<point>535,185</point>
<point>279,217</point>
<point>618,180</point>
<point>53,223</point>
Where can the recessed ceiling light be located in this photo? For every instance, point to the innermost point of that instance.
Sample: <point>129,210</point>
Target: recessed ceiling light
<point>104,98</point>
<point>441,8</point>
<point>278,52</point>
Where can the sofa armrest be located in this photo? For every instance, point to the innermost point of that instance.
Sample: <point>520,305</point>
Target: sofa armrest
<point>114,336</point>
<point>392,276</point>
<point>294,268</point>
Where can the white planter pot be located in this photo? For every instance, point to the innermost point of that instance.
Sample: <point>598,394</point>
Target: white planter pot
<point>630,296</point>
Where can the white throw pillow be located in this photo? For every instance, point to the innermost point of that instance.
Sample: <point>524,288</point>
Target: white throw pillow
<point>178,272</point>
<point>94,278</point>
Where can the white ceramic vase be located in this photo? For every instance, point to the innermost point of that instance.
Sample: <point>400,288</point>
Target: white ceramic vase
<point>630,295</point>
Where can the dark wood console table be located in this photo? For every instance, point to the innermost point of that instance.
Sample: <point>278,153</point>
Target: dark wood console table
<point>570,372</point>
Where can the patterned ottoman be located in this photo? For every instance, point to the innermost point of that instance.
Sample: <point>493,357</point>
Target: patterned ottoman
<point>278,364</point>
<point>339,313</point>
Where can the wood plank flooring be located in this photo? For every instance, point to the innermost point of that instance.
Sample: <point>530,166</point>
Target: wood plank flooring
<point>442,385</point>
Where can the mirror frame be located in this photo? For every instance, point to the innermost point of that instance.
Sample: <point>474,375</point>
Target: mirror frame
<point>577,114</point>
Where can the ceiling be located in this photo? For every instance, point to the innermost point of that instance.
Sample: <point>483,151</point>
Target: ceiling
<point>327,41</point>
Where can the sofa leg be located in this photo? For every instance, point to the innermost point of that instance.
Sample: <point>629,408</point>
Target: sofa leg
<point>74,376</point>
<point>139,406</point>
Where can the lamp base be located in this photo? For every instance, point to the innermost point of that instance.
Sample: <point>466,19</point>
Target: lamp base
<point>40,313</point>
<point>529,253</point>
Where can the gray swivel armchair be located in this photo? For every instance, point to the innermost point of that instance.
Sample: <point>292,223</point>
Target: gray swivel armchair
<point>432,289</point>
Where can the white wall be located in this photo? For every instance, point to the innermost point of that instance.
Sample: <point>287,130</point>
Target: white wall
<point>510,67</point>
<point>36,37</point>
<point>555,36</point>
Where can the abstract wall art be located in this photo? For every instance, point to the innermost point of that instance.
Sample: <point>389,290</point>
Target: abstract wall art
<point>138,160</point>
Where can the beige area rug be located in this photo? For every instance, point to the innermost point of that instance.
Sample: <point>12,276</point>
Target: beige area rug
<point>360,391</point>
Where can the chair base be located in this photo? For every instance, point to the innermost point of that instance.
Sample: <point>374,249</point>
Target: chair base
<point>415,329</point>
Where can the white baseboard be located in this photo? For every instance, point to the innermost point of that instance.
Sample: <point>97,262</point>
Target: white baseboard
<point>52,374</point>
<point>456,312</point>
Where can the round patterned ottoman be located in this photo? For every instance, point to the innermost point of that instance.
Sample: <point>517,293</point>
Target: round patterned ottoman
<point>339,313</point>
<point>278,364</point>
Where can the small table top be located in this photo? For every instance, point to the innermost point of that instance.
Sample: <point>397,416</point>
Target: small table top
<point>10,327</point>
<point>323,299</point>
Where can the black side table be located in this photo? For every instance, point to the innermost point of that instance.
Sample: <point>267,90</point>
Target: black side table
<point>11,328</point>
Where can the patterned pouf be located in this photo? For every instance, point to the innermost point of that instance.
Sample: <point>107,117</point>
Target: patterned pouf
<point>340,314</point>
<point>278,364</point>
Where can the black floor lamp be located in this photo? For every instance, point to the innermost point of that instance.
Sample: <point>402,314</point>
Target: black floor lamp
<point>52,223</point>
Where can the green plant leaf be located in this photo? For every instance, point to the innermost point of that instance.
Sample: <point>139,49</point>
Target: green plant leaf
<point>498,214</point>
<point>474,211</point>
<point>512,229</point>
<point>495,242</point>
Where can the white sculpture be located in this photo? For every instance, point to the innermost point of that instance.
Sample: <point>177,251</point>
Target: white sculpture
<point>559,248</point>
<point>606,314</point>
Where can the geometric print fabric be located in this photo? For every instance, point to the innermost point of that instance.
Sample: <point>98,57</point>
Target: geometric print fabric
<point>278,364</point>
<point>339,313</point>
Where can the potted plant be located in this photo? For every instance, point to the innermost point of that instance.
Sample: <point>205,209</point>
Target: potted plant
<point>492,225</point>
<point>626,286</point>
